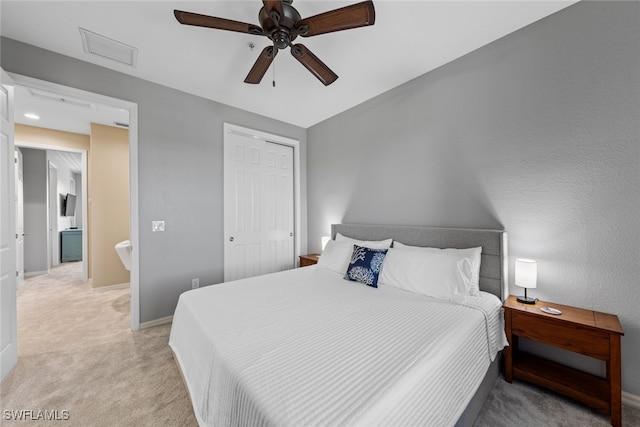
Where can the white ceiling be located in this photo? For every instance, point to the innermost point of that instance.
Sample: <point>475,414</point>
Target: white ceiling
<point>408,39</point>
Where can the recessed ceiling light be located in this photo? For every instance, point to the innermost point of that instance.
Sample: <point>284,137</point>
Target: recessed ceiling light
<point>32,116</point>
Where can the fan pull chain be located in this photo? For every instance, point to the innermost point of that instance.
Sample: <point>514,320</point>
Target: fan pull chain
<point>274,73</point>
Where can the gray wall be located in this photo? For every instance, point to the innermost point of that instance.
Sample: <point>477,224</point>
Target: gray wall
<point>179,168</point>
<point>36,215</point>
<point>537,133</point>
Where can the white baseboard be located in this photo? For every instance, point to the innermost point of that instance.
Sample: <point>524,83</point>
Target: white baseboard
<point>630,400</point>
<point>157,322</point>
<point>35,273</point>
<point>111,287</point>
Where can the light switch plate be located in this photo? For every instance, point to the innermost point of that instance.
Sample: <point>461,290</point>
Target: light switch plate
<point>157,226</point>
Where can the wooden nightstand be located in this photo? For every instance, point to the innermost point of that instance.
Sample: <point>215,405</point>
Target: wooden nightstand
<point>310,259</point>
<point>578,330</point>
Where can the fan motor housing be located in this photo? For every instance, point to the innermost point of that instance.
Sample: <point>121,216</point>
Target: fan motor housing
<point>280,32</point>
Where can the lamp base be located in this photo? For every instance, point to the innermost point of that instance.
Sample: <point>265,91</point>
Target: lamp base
<point>526,300</point>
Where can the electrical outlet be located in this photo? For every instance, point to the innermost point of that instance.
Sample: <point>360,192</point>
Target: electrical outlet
<point>195,283</point>
<point>157,226</point>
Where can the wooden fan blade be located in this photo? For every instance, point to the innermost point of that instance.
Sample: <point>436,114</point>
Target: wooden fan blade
<point>261,65</point>
<point>313,64</point>
<point>345,18</point>
<point>189,18</point>
<point>272,6</point>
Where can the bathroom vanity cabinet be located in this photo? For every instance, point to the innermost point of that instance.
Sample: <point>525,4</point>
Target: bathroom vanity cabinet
<point>71,245</point>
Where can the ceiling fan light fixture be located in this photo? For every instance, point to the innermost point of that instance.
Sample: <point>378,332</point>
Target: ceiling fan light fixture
<point>282,24</point>
<point>280,38</point>
<point>104,47</point>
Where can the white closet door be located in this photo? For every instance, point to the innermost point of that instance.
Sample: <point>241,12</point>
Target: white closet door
<point>258,206</point>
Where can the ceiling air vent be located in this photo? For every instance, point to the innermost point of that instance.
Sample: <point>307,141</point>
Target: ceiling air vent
<point>95,44</point>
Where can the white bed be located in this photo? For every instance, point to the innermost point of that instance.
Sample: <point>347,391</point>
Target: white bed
<point>305,347</point>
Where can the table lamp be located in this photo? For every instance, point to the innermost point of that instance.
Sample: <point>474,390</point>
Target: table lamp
<point>325,239</point>
<point>526,277</point>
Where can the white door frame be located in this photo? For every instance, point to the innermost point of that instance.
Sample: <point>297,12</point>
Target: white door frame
<point>53,212</point>
<point>19,198</point>
<point>240,130</point>
<point>8,333</point>
<point>132,107</point>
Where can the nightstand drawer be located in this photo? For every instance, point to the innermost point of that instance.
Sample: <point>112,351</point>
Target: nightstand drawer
<point>568,336</point>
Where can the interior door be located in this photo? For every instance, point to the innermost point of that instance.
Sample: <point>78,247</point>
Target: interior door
<point>258,206</point>
<point>19,218</point>
<point>8,321</point>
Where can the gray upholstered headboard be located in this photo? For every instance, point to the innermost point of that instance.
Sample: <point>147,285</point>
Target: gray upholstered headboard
<point>493,266</point>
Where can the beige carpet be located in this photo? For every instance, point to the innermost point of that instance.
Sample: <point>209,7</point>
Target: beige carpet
<point>76,353</point>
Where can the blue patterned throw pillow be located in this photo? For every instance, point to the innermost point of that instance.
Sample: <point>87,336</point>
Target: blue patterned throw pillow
<point>365,265</point>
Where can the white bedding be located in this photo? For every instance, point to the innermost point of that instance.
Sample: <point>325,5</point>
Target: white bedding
<point>305,347</point>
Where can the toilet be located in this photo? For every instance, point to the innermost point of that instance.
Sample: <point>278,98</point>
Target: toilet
<point>124,252</point>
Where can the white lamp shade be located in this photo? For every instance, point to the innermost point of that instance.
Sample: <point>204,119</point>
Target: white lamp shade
<point>325,239</point>
<point>526,273</point>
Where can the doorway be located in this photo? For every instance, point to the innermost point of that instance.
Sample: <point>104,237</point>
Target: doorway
<point>49,176</point>
<point>131,108</point>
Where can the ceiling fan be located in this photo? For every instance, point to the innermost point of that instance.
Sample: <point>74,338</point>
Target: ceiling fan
<point>281,23</point>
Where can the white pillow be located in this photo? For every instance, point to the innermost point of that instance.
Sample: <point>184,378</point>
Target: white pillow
<point>473,254</point>
<point>417,272</point>
<point>336,256</point>
<point>436,272</point>
<point>371,244</point>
